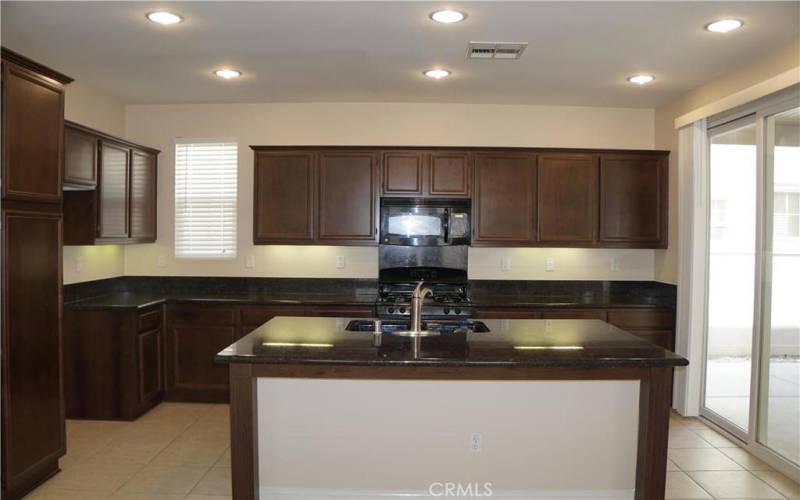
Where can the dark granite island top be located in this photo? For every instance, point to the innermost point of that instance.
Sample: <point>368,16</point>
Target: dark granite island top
<point>509,343</point>
<point>532,350</point>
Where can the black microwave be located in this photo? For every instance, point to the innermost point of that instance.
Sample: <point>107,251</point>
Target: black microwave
<point>424,222</point>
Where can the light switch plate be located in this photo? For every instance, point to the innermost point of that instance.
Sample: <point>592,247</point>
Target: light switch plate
<point>615,264</point>
<point>79,262</point>
<point>161,261</point>
<point>550,264</point>
<point>505,264</point>
<point>250,262</point>
<point>341,262</point>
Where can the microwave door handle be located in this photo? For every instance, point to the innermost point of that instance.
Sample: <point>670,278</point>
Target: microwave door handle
<point>446,224</point>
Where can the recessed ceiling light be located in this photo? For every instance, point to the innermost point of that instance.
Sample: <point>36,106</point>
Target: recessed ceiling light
<point>641,79</point>
<point>724,25</point>
<point>228,73</point>
<point>437,73</point>
<point>448,16</point>
<point>163,17</point>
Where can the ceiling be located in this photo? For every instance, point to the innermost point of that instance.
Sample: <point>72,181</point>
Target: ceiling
<point>579,54</point>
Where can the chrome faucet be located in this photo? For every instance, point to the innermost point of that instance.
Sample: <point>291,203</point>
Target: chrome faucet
<point>417,299</point>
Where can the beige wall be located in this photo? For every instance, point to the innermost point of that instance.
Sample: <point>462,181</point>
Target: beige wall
<point>106,113</point>
<point>666,137</point>
<point>377,124</point>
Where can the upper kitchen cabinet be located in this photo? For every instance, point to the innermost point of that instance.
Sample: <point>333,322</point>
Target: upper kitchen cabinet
<point>566,197</point>
<point>633,200</point>
<point>315,196</point>
<point>347,209</point>
<point>504,199</point>
<point>284,197</point>
<point>33,130</point>
<point>119,206</point>
<point>80,159</point>
<point>419,173</point>
<point>143,180</point>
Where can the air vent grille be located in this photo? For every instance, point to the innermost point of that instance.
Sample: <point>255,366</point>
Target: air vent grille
<point>495,50</point>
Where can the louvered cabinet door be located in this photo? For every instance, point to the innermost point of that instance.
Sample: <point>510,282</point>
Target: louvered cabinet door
<point>113,191</point>
<point>143,196</point>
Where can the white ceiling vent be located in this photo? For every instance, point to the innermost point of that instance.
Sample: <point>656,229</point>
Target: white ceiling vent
<point>495,50</point>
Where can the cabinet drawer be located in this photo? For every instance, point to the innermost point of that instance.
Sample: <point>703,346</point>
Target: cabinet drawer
<point>258,315</point>
<point>575,314</point>
<point>343,312</point>
<point>644,319</point>
<point>507,314</point>
<point>149,320</point>
<point>203,315</point>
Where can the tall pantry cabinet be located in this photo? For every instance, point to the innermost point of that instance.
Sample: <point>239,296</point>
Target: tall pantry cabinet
<point>33,434</point>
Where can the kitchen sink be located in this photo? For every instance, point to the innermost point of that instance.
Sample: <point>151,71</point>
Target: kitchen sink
<point>442,327</point>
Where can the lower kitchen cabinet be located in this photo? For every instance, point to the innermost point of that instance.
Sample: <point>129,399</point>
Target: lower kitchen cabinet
<point>113,364</point>
<point>254,316</point>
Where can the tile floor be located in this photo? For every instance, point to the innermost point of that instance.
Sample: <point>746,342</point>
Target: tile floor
<point>179,451</point>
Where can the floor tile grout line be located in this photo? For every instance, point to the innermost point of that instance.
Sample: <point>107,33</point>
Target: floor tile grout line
<point>159,452</point>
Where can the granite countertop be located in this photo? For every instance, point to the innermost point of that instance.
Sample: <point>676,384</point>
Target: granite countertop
<point>141,299</point>
<point>586,300</point>
<point>510,343</point>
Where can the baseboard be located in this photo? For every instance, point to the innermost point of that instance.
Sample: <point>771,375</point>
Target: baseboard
<point>439,492</point>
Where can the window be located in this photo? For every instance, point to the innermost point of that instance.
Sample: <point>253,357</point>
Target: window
<point>787,215</point>
<point>718,218</point>
<point>205,198</point>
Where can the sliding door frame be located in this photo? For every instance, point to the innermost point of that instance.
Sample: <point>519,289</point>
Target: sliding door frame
<point>763,244</point>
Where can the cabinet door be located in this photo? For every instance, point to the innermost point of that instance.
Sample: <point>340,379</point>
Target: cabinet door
<point>195,375</point>
<point>33,404</point>
<point>254,316</point>
<point>504,201</point>
<point>284,197</point>
<point>343,311</point>
<point>449,174</point>
<point>402,173</point>
<point>507,313</point>
<point>575,314</point>
<point>633,201</point>
<point>113,191</point>
<point>33,134</point>
<point>347,192</point>
<point>80,158</point>
<point>148,346</point>
<point>566,199</point>
<point>143,196</point>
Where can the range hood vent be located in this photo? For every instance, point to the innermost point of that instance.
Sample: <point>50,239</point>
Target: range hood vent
<point>495,50</point>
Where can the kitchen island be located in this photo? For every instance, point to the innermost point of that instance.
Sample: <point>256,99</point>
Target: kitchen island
<point>310,349</point>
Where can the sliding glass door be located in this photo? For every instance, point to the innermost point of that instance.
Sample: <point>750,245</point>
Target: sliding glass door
<point>731,271</point>
<point>779,404</point>
<point>752,346</point>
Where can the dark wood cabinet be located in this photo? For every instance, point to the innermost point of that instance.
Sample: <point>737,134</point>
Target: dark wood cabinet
<point>449,174</point>
<point>403,173</point>
<point>504,201</point>
<point>33,430</point>
<point>122,207</point>
<point>143,193</point>
<point>113,191</point>
<point>341,311</point>
<point>33,134</point>
<point>33,405</point>
<point>113,362</point>
<point>633,200</point>
<point>521,197</point>
<point>347,208</point>
<point>566,195</point>
<point>80,159</point>
<point>195,334</point>
<point>283,202</point>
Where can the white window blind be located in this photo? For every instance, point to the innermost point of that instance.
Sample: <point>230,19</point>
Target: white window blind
<point>205,198</point>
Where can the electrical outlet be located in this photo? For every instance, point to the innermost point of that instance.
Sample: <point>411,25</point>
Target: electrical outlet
<point>615,264</point>
<point>79,263</point>
<point>341,262</point>
<point>475,442</point>
<point>550,264</point>
<point>250,262</point>
<point>161,261</point>
<point>505,264</point>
